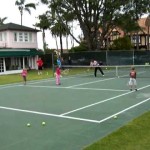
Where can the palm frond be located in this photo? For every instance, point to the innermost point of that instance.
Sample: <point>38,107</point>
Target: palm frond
<point>30,5</point>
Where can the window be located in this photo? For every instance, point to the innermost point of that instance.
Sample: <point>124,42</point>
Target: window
<point>22,37</point>
<point>136,38</point>
<point>26,39</point>
<point>1,37</point>
<point>15,37</point>
<point>115,33</point>
<point>30,37</point>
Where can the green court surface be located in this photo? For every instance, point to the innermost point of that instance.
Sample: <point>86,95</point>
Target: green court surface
<point>77,113</point>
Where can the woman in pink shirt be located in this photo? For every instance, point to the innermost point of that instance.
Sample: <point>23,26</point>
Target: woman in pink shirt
<point>58,75</point>
<point>24,75</point>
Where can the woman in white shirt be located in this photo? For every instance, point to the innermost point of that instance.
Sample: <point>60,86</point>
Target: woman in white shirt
<point>97,67</point>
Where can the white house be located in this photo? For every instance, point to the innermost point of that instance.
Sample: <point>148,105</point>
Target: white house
<point>18,48</point>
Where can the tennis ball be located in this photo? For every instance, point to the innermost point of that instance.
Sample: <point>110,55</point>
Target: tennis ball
<point>43,123</point>
<point>115,117</point>
<point>28,125</point>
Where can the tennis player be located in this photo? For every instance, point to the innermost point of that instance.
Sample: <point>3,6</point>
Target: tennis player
<point>40,66</point>
<point>59,62</point>
<point>97,67</point>
<point>132,81</point>
<point>58,75</point>
<point>24,75</point>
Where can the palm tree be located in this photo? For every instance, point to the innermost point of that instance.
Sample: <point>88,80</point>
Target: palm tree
<point>59,29</point>
<point>44,24</point>
<point>24,7</point>
<point>2,20</point>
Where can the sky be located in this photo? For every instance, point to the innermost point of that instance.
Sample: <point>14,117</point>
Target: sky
<point>10,10</point>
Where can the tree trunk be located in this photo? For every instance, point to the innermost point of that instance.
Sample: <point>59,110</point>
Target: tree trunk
<point>56,42</point>
<point>44,43</point>
<point>61,44</point>
<point>21,19</point>
<point>137,41</point>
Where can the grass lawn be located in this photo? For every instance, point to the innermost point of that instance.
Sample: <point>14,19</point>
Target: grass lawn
<point>133,136</point>
<point>32,75</point>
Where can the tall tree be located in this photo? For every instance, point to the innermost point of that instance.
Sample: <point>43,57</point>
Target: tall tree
<point>24,7</point>
<point>94,15</point>
<point>58,29</point>
<point>136,8</point>
<point>62,21</point>
<point>44,24</point>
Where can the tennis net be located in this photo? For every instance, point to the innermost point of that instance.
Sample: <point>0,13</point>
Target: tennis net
<point>143,71</point>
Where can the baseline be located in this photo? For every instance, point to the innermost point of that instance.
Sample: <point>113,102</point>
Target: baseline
<point>59,87</point>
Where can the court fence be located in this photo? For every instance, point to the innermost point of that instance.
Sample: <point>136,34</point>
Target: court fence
<point>109,58</point>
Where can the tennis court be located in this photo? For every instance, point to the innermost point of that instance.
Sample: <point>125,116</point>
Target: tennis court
<point>77,113</point>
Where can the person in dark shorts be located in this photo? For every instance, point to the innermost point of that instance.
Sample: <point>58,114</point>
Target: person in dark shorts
<point>132,81</point>
<point>97,67</point>
<point>40,66</point>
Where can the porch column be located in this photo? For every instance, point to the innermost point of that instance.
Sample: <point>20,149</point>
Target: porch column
<point>4,64</point>
<point>23,62</point>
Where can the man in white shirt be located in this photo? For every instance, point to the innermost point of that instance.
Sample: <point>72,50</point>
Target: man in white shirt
<point>97,66</point>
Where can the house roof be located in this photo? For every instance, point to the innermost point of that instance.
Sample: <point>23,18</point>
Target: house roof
<point>142,24</point>
<point>19,52</point>
<point>13,26</point>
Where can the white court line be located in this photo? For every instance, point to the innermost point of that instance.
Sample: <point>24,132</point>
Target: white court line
<point>91,82</point>
<point>19,84</point>
<point>9,86</point>
<point>48,114</point>
<point>103,101</point>
<point>59,87</point>
<point>53,79</point>
<point>98,89</point>
<point>75,118</point>
<point>124,110</point>
<point>95,81</point>
<point>42,86</point>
